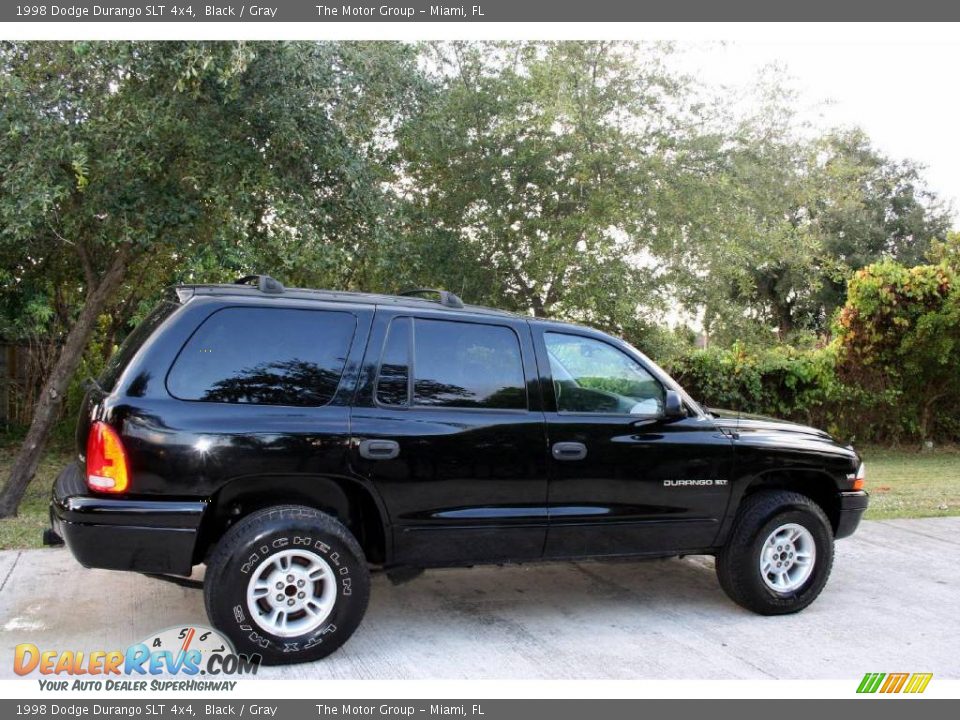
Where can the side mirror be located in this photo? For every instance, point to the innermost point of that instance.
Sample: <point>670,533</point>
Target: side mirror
<point>673,405</point>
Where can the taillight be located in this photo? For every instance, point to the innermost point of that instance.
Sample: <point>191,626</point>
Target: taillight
<point>106,460</point>
<point>860,478</point>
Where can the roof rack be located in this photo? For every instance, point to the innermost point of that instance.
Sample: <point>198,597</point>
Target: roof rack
<point>264,283</point>
<point>447,298</point>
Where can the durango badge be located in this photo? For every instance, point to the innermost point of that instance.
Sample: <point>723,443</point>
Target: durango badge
<point>707,482</point>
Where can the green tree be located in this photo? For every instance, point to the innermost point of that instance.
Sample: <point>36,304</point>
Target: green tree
<point>745,255</point>
<point>778,218</point>
<point>946,251</point>
<point>899,333</point>
<point>150,157</point>
<point>532,173</point>
<point>868,207</point>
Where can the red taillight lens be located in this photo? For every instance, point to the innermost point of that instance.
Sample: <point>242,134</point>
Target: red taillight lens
<point>106,460</point>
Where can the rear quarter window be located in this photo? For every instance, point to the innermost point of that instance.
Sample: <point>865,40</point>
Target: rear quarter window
<point>128,348</point>
<point>264,356</point>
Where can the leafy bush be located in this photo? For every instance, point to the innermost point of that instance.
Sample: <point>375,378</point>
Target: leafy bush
<point>798,385</point>
<point>899,334</point>
<point>892,373</point>
<point>783,382</point>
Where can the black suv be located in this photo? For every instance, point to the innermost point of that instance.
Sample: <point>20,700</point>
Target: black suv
<point>289,439</point>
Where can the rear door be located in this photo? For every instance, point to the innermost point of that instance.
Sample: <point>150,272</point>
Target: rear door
<point>448,426</point>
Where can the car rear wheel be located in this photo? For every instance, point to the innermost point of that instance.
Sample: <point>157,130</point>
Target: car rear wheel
<point>288,582</point>
<point>779,554</point>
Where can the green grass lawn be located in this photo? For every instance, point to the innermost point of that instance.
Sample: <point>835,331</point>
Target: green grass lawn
<point>911,484</point>
<point>24,530</point>
<point>902,484</point>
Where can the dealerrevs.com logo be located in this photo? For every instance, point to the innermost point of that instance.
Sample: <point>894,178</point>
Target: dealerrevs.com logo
<point>891,683</point>
<point>186,652</point>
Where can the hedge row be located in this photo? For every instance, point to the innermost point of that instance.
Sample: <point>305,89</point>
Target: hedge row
<point>803,385</point>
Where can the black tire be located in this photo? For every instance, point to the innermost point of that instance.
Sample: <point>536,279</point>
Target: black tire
<point>738,563</point>
<point>246,549</point>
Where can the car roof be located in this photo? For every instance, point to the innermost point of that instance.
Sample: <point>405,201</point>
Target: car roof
<point>402,301</point>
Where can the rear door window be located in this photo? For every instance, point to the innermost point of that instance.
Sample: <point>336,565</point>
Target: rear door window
<point>393,380</point>
<point>467,365</point>
<point>264,356</point>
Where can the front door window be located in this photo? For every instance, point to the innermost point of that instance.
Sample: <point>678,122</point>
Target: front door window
<point>591,376</point>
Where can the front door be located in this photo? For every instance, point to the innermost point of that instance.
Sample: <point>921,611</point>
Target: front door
<point>625,479</point>
<point>450,430</point>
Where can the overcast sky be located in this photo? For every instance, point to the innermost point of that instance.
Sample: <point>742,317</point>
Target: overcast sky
<point>903,95</point>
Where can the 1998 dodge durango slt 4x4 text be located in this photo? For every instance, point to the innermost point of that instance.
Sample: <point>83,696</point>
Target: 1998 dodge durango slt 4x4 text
<point>290,439</point>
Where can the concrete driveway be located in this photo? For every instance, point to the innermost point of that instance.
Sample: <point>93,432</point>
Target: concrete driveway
<point>891,605</point>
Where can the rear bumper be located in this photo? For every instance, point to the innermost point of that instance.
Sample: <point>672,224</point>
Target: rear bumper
<point>852,507</point>
<point>157,536</point>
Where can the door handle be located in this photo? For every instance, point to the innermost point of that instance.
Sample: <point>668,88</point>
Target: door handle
<point>569,451</point>
<point>379,449</point>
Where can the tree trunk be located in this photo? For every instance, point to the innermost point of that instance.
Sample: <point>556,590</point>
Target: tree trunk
<point>48,404</point>
<point>539,309</point>
<point>784,325</point>
<point>926,417</point>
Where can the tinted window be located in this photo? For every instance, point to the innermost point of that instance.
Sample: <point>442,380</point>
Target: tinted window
<point>393,382</point>
<point>591,376</point>
<point>467,365</point>
<point>264,356</point>
<point>128,348</point>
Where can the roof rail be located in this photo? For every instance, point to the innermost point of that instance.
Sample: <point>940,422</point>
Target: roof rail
<point>447,298</point>
<point>265,283</point>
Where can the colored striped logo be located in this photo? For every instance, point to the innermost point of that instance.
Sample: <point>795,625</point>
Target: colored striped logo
<point>894,682</point>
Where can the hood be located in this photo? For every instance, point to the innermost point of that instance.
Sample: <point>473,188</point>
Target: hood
<point>747,422</point>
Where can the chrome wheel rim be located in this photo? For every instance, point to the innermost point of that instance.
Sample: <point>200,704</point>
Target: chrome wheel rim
<point>292,593</point>
<point>787,558</point>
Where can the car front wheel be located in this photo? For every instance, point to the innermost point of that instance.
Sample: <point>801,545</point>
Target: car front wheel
<point>779,554</point>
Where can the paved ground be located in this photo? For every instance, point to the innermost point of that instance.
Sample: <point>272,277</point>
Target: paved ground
<point>892,604</point>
